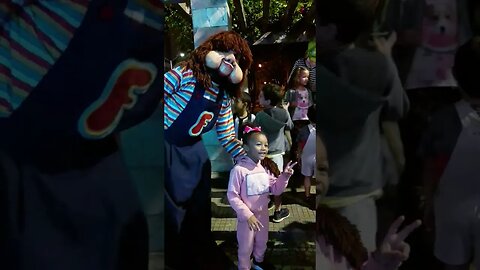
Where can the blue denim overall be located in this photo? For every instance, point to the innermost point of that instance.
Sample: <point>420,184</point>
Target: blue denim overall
<point>187,182</point>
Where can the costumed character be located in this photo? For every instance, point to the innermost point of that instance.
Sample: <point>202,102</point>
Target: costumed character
<point>73,74</point>
<point>197,99</point>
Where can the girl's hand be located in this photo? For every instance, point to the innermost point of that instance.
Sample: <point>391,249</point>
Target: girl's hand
<point>394,250</point>
<point>254,223</point>
<point>289,168</point>
<point>285,105</point>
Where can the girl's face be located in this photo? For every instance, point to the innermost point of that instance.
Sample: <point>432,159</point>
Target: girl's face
<point>257,147</point>
<point>302,78</point>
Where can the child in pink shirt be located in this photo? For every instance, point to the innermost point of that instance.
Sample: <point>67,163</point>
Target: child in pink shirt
<point>251,181</point>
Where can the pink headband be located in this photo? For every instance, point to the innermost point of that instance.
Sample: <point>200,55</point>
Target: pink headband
<point>250,129</point>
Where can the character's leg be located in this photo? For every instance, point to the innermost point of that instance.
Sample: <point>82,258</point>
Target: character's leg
<point>183,172</point>
<point>9,210</point>
<point>245,238</point>
<point>196,233</point>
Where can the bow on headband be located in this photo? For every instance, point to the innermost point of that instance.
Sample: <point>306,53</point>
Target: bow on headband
<point>250,129</point>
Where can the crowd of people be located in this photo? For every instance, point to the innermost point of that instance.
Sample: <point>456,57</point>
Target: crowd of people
<point>400,133</point>
<point>386,130</point>
<point>397,112</point>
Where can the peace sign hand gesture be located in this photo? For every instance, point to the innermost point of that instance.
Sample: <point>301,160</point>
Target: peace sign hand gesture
<point>394,250</point>
<point>289,169</point>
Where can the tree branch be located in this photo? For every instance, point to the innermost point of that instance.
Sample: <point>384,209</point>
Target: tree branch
<point>183,11</point>
<point>266,14</point>
<point>296,30</point>
<point>287,17</point>
<point>240,14</point>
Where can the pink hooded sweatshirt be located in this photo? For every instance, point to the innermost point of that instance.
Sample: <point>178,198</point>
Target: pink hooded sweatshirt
<point>250,185</point>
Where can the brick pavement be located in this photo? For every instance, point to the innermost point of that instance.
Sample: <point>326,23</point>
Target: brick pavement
<point>291,242</point>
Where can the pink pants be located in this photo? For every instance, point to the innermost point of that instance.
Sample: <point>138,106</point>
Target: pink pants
<point>252,241</point>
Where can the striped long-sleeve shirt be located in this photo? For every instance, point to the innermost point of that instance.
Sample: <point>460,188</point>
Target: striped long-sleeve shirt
<point>179,84</point>
<point>33,35</point>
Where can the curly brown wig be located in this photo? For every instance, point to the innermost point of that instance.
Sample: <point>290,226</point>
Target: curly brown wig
<point>341,234</point>
<point>223,41</point>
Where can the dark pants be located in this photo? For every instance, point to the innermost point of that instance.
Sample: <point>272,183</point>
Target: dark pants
<point>424,102</point>
<point>189,242</point>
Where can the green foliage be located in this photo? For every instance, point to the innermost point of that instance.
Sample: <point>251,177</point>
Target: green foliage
<point>181,29</point>
<point>254,12</point>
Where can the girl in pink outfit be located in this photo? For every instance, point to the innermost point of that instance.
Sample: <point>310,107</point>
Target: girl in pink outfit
<point>251,181</point>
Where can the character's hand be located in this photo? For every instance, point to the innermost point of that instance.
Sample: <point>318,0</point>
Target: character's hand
<point>285,105</point>
<point>394,250</point>
<point>289,168</point>
<point>254,223</point>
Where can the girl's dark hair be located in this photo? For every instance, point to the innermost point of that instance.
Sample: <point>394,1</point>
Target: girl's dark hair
<point>245,97</point>
<point>267,163</point>
<point>293,77</point>
<point>341,234</point>
<point>274,93</point>
<point>351,17</point>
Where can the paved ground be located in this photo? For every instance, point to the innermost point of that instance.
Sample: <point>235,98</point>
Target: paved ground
<point>291,245</point>
<point>156,261</point>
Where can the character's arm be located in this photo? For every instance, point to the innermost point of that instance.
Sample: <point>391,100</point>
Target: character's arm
<point>172,81</point>
<point>226,130</point>
<point>179,85</point>
<point>233,195</point>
